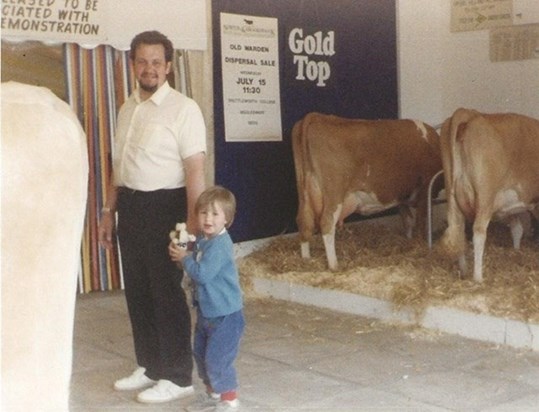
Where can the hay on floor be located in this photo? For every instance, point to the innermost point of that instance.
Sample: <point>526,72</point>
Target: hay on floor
<point>378,261</point>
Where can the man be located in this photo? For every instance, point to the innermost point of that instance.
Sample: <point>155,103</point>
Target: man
<point>158,174</point>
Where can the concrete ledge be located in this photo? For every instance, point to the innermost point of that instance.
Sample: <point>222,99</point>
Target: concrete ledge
<point>455,321</point>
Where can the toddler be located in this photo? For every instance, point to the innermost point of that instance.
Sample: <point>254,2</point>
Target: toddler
<point>217,297</point>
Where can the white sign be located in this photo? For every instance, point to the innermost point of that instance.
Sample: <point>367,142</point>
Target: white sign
<point>468,15</point>
<point>114,22</point>
<point>250,67</point>
<point>514,43</point>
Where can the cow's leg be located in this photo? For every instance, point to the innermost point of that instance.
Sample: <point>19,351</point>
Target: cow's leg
<point>517,229</point>
<point>422,213</point>
<point>329,245</point>
<point>478,251</point>
<point>327,226</point>
<point>479,238</point>
<point>408,220</point>
<point>305,218</point>
<point>463,267</point>
<point>454,239</point>
<point>306,231</point>
<point>305,222</point>
<point>305,250</point>
<point>453,242</point>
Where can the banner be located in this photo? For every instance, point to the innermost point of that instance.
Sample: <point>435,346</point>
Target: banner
<point>468,15</point>
<point>90,23</point>
<point>520,42</point>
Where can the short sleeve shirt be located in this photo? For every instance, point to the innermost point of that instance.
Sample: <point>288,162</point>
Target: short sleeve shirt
<point>153,137</point>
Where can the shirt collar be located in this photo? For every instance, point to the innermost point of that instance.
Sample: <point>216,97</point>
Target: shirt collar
<point>224,230</point>
<point>158,96</point>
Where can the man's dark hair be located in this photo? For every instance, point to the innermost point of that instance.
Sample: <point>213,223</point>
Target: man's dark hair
<point>152,37</point>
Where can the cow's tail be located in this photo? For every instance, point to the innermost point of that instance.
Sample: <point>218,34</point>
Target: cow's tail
<point>298,157</point>
<point>456,123</point>
<point>300,148</point>
<point>453,241</point>
<point>304,141</point>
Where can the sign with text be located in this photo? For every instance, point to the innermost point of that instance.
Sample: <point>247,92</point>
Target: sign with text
<point>250,73</point>
<point>468,15</point>
<point>514,43</point>
<point>95,22</point>
<point>53,19</point>
<point>312,54</point>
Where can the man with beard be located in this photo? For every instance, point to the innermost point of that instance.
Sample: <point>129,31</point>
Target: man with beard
<point>158,174</point>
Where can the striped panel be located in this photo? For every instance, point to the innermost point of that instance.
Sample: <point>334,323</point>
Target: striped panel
<point>98,82</point>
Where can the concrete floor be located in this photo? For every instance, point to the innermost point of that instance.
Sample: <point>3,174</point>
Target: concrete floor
<point>301,358</point>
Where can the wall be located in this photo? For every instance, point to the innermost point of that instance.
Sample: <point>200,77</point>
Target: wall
<point>34,63</point>
<point>200,73</point>
<point>440,71</point>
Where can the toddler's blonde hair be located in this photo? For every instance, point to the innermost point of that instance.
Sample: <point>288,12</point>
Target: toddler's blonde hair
<point>218,194</point>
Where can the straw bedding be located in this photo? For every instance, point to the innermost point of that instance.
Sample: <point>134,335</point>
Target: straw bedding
<point>378,261</point>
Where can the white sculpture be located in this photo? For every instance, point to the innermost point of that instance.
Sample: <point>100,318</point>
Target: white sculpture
<point>44,192</point>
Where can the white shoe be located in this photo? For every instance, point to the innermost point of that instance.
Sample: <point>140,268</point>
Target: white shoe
<point>164,391</point>
<point>137,380</point>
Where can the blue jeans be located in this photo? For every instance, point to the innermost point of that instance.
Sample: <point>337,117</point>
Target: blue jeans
<point>216,346</point>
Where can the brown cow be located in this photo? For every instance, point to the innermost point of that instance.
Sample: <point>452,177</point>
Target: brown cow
<point>491,169</point>
<point>346,166</point>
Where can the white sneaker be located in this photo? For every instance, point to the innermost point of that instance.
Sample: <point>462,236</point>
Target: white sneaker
<point>164,391</point>
<point>137,380</point>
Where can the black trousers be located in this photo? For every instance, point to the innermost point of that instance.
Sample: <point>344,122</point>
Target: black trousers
<point>160,317</point>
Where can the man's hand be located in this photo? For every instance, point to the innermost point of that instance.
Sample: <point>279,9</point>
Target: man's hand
<point>106,229</point>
